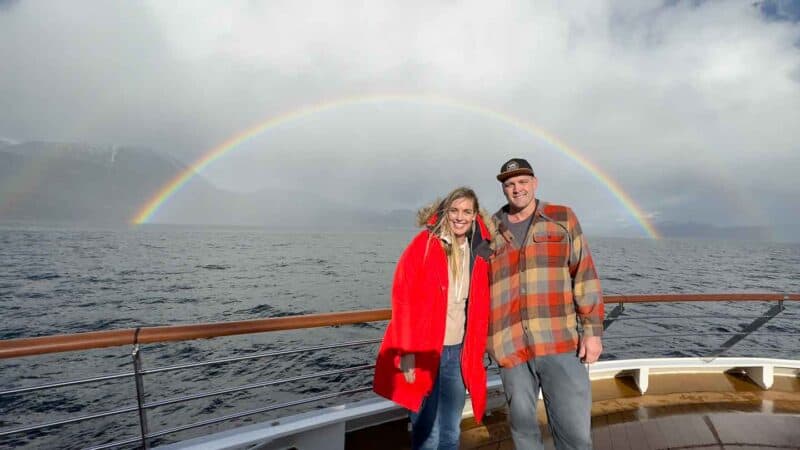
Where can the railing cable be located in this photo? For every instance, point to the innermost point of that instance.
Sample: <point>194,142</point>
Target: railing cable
<point>260,355</point>
<point>41,387</point>
<point>246,387</point>
<point>257,411</point>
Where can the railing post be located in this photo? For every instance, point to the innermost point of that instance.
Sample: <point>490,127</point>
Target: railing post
<point>137,371</point>
<point>780,302</point>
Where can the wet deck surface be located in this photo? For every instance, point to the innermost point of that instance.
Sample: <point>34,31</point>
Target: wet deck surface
<point>727,412</point>
<point>712,430</point>
<point>709,430</point>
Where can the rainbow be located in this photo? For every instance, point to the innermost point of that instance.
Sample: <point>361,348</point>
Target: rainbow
<point>149,209</point>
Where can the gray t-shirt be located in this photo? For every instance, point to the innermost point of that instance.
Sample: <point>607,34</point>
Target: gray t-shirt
<point>520,229</point>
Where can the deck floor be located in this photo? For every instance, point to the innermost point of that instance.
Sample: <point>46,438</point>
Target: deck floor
<point>709,427</point>
<point>733,415</point>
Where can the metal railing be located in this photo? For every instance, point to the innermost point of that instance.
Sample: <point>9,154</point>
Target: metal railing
<point>15,348</point>
<point>141,406</point>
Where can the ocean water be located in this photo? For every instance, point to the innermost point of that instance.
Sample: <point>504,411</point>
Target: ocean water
<point>68,280</point>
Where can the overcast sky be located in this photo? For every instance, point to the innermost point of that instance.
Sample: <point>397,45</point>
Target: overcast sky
<point>693,107</point>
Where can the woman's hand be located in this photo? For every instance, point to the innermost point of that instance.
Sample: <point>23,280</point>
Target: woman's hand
<point>407,367</point>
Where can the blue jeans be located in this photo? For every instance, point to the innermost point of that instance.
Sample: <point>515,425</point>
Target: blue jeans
<point>567,398</point>
<point>437,425</point>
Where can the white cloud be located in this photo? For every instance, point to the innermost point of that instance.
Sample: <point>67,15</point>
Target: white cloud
<point>648,91</point>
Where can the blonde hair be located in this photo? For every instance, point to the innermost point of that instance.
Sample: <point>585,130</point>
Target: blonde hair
<point>441,226</point>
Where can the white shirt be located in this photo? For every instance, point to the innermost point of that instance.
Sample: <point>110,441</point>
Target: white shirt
<point>457,293</point>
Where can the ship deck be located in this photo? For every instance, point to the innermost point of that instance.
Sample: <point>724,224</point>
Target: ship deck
<point>711,401</point>
<point>721,411</point>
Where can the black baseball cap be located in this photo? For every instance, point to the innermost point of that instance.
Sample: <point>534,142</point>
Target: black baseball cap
<point>514,167</point>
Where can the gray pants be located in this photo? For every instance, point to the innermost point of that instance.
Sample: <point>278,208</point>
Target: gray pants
<point>567,397</point>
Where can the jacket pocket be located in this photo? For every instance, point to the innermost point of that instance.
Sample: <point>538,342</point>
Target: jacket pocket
<point>549,237</point>
<point>551,246</point>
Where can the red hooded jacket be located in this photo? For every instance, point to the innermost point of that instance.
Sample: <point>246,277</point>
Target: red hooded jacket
<point>419,312</point>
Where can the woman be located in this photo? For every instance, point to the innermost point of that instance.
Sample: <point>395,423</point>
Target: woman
<point>433,347</point>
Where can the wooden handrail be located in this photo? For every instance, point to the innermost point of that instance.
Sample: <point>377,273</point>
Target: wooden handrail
<point>674,298</point>
<point>12,348</point>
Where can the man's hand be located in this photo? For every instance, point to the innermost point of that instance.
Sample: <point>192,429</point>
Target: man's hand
<point>589,349</point>
<point>407,367</point>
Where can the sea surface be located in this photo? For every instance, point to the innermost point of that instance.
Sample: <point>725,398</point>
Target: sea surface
<point>70,280</point>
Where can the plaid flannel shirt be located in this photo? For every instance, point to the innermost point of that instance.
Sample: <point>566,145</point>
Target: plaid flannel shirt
<point>544,295</point>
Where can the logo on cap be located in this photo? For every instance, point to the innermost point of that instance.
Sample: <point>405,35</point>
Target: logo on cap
<point>514,167</point>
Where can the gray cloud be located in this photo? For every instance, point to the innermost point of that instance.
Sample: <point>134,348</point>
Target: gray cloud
<point>7,4</point>
<point>671,99</point>
<point>788,10</point>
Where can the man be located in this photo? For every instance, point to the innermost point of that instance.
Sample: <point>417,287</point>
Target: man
<point>546,316</point>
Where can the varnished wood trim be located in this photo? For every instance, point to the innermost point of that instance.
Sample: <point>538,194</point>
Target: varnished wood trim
<point>12,348</point>
<point>671,298</point>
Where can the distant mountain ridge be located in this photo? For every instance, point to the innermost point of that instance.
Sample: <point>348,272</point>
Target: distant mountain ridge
<point>77,182</point>
<point>781,232</point>
<point>108,184</point>
<point>6,141</point>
